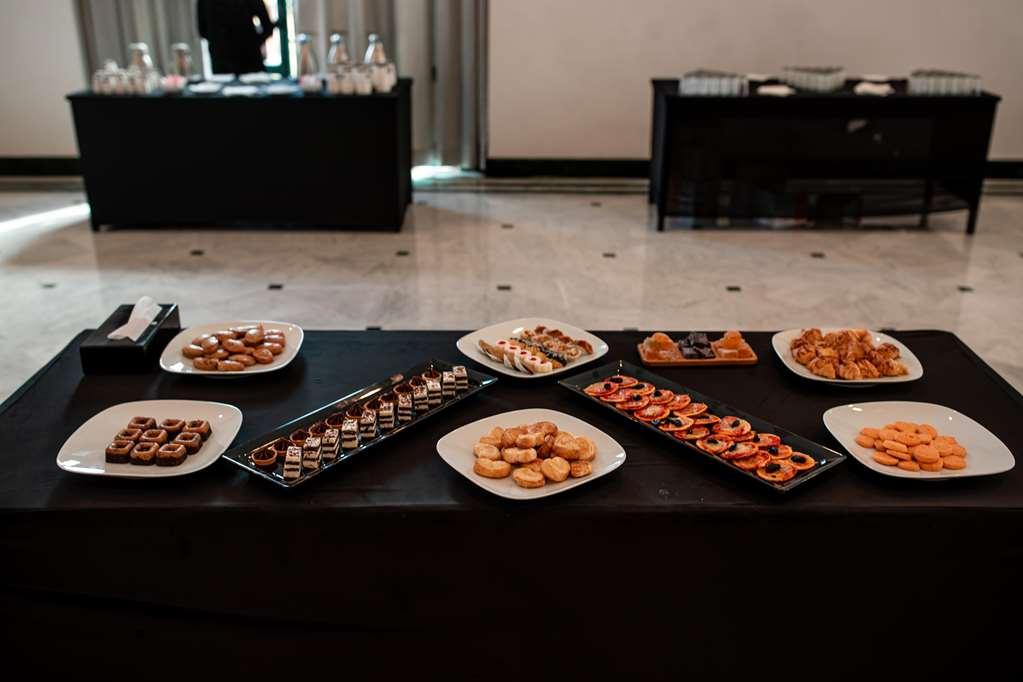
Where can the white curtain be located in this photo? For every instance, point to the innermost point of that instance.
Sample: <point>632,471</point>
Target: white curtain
<point>109,26</point>
<point>440,44</point>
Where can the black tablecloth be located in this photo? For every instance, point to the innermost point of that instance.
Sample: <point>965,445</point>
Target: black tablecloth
<point>397,540</point>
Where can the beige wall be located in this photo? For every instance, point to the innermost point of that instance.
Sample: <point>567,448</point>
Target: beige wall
<point>570,78</point>
<point>40,62</point>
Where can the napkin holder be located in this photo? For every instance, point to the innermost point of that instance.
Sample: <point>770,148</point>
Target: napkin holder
<point>101,355</point>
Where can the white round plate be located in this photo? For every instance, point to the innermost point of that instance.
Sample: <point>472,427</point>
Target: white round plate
<point>986,454</point>
<point>456,449</point>
<point>85,451</point>
<point>782,342</point>
<point>505,330</point>
<point>173,361</point>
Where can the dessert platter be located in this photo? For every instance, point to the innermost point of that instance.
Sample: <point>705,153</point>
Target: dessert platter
<point>233,348</point>
<point>151,439</point>
<point>532,347</point>
<point>696,349</point>
<point>752,447</point>
<point>846,356</point>
<point>917,440</point>
<point>532,453</point>
<point>302,448</point>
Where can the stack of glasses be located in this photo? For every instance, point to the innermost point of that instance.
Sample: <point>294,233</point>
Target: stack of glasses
<point>938,82</point>
<point>814,78</point>
<point>714,83</point>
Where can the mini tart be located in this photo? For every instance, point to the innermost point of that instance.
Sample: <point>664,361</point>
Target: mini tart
<point>691,410</point>
<point>172,426</point>
<point>265,458</point>
<point>706,419</point>
<point>131,434</point>
<point>695,433</point>
<point>776,471</point>
<point>765,439</point>
<point>652,413</point>
<point>713,445</point>
<point>675,424</point>
<point>801,461</point>
<point>298,437</point>
<point>662,396</point>
<point>679,402</point>
<point>200,426</point>
<point>144,454</point>
<point>600,388</point>
<point>752,462</point>
<point>634,403</point>
<point>171,455</point>
<point>335,420</point>
<point>616,397</point>
<point>622,380</point>
<point>733,426</point>
<point>778,451</point>
<point>119,451</point>
<point>744,438</point>
<point>191,441</point>
<point>317,429</point>
<point>740,450</point>
<point>642,389</point>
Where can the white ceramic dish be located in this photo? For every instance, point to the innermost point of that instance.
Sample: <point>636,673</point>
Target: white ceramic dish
<point>85,451</point>
<point>782,342</point>
<point>505,330</point>
<point>173,361</point>
<point>986,454</point>
<point>456,449</point>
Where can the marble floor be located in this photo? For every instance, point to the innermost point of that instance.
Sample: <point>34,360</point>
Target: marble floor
<point>593,260</point>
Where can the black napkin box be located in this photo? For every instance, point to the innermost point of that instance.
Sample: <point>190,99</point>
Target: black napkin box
<point>101,355</point>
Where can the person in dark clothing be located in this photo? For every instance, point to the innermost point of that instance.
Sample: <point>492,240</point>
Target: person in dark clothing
<point>235,44</point>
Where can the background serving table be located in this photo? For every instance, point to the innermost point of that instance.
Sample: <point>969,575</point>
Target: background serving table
<point>823,156</point>
<point>294,160</point>
<point>397,540</point>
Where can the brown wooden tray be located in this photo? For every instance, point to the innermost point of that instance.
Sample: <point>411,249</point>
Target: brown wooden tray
<point>703,362</point>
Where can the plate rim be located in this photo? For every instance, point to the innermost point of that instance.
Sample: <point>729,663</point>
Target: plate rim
<point>804,373</point>
<point>617,462</point>
<point>913,475</point>
<point>264,369</point>
<point>168,472</point>
<point>474,354</point>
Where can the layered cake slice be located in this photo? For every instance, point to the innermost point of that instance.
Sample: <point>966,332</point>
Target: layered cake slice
<point>461,378</point>
<point>447,385</point>
<point>404,407</point>
<point>421,398</point>
<point>292,463</point>
<point>350,434</point>
<point>311,452</point>
<point>386,416</point>
<point>368,424</point>
<point>328,445</point>
<point>434,390</point>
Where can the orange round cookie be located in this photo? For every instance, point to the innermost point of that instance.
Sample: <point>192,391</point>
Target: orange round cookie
<point>908,465</point>
<point>885,458</point>
<point>931,466</point>
<point>902,456</point>
<point>869,432</point>
<point>865,441</point>
<point>953,462</point>
<point>895,445</point>
<point>925,454</point>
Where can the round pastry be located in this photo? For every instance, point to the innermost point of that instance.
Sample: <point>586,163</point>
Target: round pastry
<point>129,434</point>
<point>242,358</point>
<point>776,471</point>
<point>623,381</point>
<point>335,420</point>
<point>144,453</point>
<point>280,446</point>
<point>219,354</point>
<point>205,364</point>
<point>354,412</point>
<point>586,449</point>
<point>740,450</point>
<point>642,389</point>
<point>119,452</point>
<point>652,412</point>
<point>661,396</point>
<point>616,397</point>
<point>317,429</point>
<point>675,424</point>
<point>197,341</point>
<point>634,403</point>
<point>492,468</point>
<point>691,410</point>
<point>802,461</point>
<point>706,419</point>
<point>191,441</point>
<point>254,337</point>
<point>518,455</point>
<point>229,366</point>
<point>298,437</point>
<point>171,455</point>
<point>752,462</point>
<point>713,445</point>
<point>679,402</point>
<point>233,345</point>
<point>526,478</point>
<point>556,469</point>
<point>732,426</point>
<point>158,436</point>
<point>172,426</point>
<point>263,356</point>
<point>764,440</point>
<point>265,458</point>
<point>578,469</point>
<point>510,436</point>
<point>192,351</point>
<point>224,335</point>
<point>565,446</point>
<point>274,348</point>
<point>778,451</point>
<point>744,438</point>
<point>534,465</point>
<point>241,329</point>
<point>486,451</point>
<point>695,433</point>
<point>199,426</point>
<point>600,388</point>
<point>530,440</point>
<point>209,344</point>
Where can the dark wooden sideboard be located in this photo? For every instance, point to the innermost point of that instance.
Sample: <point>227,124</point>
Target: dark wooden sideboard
<point>283,161</point>
<point>823,157</point>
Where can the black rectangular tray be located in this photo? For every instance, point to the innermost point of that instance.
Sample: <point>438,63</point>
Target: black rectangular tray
<point>240,454</point>
<point>826,457</point>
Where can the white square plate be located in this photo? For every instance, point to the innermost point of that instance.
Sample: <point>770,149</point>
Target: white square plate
<point>173,361</point>
<point>468,344</point>
<point>782,342</point>
<point>456,449</point>
<point>85,451</point>
<point>986,454</point>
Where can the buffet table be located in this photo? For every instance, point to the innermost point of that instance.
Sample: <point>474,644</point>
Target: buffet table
<point>300,160</point>
<point>827,157</point>
<point>397,541</point>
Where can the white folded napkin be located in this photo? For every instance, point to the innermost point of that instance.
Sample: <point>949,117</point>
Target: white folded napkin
<point>142,315</point>
<point>239,90</point>
<point>877,89</point>
<point>775,90</point>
